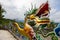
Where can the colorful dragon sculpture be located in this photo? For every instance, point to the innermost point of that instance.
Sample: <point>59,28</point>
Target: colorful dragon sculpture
<point>36,23</point>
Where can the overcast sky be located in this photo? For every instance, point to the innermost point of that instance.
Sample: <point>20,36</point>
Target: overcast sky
<point>15,9</point>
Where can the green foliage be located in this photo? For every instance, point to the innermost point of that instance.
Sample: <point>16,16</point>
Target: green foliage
<point>5,23</point>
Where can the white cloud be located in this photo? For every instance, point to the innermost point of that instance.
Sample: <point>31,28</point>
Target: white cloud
<point>5,2</point>
<point>26,3</point>
<point>17,8</point>
<point>54,12</point>
<point>55,16</point>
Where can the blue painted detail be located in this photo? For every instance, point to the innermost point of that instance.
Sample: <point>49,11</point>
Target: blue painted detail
<point>57,30</point>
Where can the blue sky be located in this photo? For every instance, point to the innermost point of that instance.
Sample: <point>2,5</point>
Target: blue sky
<point>15,9</point>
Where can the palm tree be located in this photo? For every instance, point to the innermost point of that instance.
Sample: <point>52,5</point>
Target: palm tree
<point>1,12</point>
